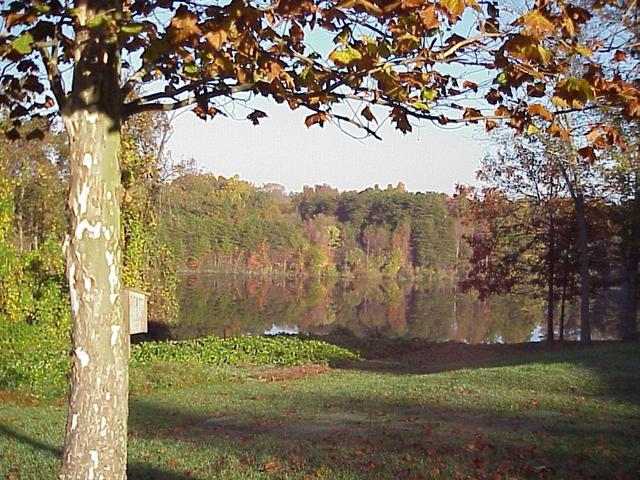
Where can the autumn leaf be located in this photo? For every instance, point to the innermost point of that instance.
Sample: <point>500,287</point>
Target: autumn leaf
<point>575,91</point>
<point>429,17</point>
<point>183,25</point>
<point>490,125</point>
<point>588,153</point>
<point>556,130</point>
<point>399,118</point>
<point>255,116</point>
<point>472,114</point>
<point>537,23</point>
<point>494,97</point>
<point>619,56</point>
<point>368,114</point>
<point>527,48</point>
<point>540,111</point>
<point>216,38</point>
<point>456,7</point>
<point>320,118</point>
<point>632,109</point>
<point>24,18</point>
<point>470,85</point>
<point>23,44</point>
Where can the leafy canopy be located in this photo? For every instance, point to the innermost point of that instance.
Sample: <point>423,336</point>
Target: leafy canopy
<point>396,54</point>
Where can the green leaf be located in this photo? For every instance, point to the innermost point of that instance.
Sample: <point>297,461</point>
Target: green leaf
<point>23,44</point>
<point>42,8</point>
<point>97,22</point>
<point>345,57</point>
<point>132,29</point>
<point>428,94</point>
<point>191,69</point>
<point>420,106</point>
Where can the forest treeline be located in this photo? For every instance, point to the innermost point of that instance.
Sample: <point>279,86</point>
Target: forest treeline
<point>229,225</point>
<point>545,223</point>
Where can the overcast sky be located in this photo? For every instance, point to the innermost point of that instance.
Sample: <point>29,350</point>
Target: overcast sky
<point>282,150</point>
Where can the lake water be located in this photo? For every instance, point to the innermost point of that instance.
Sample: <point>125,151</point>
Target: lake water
<point>229,305</point>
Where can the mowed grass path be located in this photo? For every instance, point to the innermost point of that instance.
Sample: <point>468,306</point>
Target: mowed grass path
<point>408,411</point>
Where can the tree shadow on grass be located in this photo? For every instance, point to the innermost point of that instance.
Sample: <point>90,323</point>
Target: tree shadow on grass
<point>615,363</point>
<point>381,437</point>
<point>134,471</point>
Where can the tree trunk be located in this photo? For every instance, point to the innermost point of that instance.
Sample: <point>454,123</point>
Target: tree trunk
<point>585,279</point>
<point>631,261</point>
<point>630,313</point>
<point>551,263</point>
<point>95,445</point>
<point>563,300</point>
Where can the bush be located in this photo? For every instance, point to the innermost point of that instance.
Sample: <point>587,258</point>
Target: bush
<point>280,351</point>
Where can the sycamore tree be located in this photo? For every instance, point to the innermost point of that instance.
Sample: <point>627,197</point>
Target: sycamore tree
<point>90,65</point>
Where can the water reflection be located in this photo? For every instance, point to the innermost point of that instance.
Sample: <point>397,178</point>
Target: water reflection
<point>229,305</point>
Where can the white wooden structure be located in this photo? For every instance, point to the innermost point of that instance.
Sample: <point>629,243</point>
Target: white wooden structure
<point>135,309</point>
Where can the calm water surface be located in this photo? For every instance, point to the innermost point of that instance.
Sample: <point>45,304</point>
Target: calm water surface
<point>230,305</point>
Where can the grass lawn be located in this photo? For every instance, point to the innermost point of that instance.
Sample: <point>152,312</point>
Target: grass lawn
<point>407,411</point>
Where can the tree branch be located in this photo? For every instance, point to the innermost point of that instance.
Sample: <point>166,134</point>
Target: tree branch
<point>50,62</point>
<point>135,107</point>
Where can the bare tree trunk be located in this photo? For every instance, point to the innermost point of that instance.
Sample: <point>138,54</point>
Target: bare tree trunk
<point>551,277</point>
<point>585,278</point>
<point>95,445</point>
<point>562,305</point>
<point>629,324</point>
<point>631,261</point>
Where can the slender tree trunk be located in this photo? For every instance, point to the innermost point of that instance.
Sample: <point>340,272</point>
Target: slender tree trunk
<point>631,263</point>
<point>95,445</point>
<point>562,304</point>
<point>630,328</point>
<point>585,279</point>
<point>551,277</point>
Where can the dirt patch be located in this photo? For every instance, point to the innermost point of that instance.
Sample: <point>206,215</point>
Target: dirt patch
<point>290,373</point>
<point>20,399</point>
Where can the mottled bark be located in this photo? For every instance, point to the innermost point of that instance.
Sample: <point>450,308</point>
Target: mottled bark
<point>95,441</point>
<point>95,444</point>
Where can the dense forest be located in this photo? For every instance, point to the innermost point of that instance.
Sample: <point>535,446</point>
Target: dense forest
<point>214,223</point>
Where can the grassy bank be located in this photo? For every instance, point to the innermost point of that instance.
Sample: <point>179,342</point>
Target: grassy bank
<point>408,410</point>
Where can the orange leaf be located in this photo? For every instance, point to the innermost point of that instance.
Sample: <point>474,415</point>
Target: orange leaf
<point>540,111</point>
<point>184,25</point>
<point>490,125</point>
<point>537,23</point>
<point>556,131</point>
<point>318,118</point>
<point>429,17</point>
<point>471,114</point>
<point>216,38</point>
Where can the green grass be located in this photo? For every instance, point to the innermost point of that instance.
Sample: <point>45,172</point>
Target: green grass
<point>433,411</point>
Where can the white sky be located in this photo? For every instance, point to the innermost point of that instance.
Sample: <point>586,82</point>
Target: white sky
<point>282,150</point>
